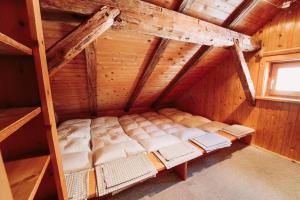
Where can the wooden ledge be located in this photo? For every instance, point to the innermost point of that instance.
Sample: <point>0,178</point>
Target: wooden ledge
<point>279,99</point>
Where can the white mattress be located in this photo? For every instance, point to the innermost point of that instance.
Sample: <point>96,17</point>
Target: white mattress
<point>110,142</point>
<point>170,127</point>
<point>74,141</point>
<point>146,132</point>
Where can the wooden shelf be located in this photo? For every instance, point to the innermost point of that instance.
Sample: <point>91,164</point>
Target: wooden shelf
<point>14,118</point>
<point>278,99</point>
<point>9,46</point>
<point>25,176</point>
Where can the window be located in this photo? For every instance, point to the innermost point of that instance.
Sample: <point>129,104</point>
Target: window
<point>284,79</point>
<point>280,77</point>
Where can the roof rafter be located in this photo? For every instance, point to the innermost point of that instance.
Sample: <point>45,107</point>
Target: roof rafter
<point>145,18</point>
<point>230,22</point>
<point>163,43</point>
<point>71,45</point>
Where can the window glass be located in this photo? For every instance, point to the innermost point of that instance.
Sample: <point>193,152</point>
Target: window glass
<point>288,79</point>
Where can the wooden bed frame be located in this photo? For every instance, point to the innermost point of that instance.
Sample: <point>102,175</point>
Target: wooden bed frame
<point>181,170</point>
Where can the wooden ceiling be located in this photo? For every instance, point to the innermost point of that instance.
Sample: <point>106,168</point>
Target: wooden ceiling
<point>121,58</point>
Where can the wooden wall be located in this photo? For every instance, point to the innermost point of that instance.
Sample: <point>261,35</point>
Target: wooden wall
<point>122,57</point>
<point>219,94</point>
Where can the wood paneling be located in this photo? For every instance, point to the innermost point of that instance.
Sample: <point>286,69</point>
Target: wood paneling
<point>121,57</point>
<point>219,96</point>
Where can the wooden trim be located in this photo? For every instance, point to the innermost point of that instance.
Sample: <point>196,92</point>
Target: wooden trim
<point>41,68</point>
<point>145,18</point>
<point>70,46</point>
<point>233,19</point>
<point>91,68</point>
<point>280,52</point>
<point>14,118</point>
<point>244,73</point>
<point>278,99</point>
<point>26,175</point>
<point>265,69</point>
<point>9,46</point>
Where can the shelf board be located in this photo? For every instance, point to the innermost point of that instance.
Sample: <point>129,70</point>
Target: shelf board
<point>278,99</point>
<point>14,118</point>
<point>26,175</point>
<point>9,46</point>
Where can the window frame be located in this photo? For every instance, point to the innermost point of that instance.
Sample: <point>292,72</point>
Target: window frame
<point>268,73</point>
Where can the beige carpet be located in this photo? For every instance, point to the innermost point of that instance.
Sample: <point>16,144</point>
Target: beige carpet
<point>237,173</point>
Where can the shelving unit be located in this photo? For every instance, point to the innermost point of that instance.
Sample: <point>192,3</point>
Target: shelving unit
<point>9,46</point>
<point>25,176</point>
<point>14,118</point>
<point>26,108</point>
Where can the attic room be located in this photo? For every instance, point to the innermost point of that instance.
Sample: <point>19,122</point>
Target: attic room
<point>150,99</point>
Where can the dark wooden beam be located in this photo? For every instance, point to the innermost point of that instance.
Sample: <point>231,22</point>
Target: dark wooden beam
<point>91,69</point>
<point>231,21</point>
<point>163,43</point>
<point>243,72</point>
<point>70,46</point>
<point>145,18</point>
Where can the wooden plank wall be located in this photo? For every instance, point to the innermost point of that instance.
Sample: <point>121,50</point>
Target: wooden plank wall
<point>69,85</point>
<point>219,94</point>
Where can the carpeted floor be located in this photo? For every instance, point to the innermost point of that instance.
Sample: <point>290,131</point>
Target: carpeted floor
<point>236,173</point>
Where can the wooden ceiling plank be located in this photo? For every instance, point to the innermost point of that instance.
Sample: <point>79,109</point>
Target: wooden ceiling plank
<point>185,4</point>
<point>243,72</point>
<point>145,18</point>
<point>70,46</point>
<point>91,68</point>
<point>231,21</point>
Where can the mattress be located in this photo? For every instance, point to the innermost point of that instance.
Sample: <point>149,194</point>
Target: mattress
<point>192,121</point>
<point>146,132</point>
<point>74,142</point>
<point>110,142</point>
<point>170,127</point>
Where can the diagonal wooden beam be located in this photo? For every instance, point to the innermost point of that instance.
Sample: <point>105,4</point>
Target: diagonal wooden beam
<point>70,46</point>
<point>243,72</point>
<point>230,22</point>
<point>145,18</point>
<point>91,69</point>
<point>163,43</point>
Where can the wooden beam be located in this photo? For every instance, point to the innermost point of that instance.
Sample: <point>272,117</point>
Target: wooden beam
<point>190,64</point>
<point>243,72</point>
<point>163,43</point>
<point>90,55</point>
<point>146,18</point>
<point>70,46</point>
<point>231,21</point>
<point>147,73</point>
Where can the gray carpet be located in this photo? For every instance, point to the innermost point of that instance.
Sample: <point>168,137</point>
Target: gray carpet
<point>236,173</point>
